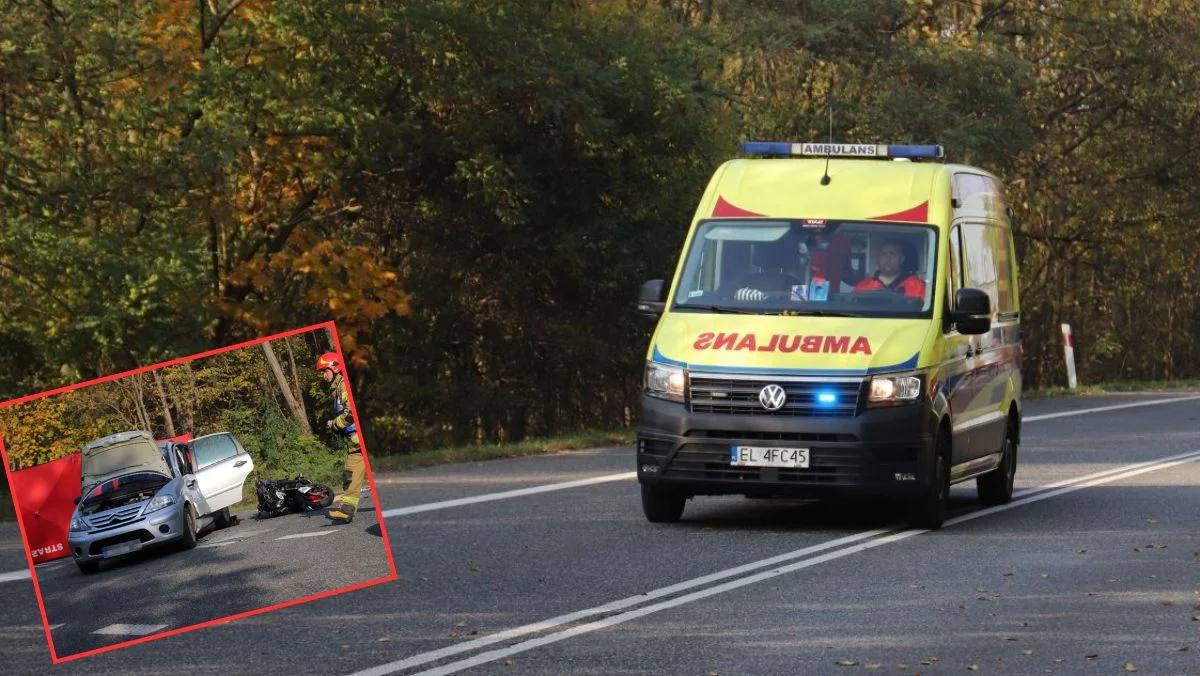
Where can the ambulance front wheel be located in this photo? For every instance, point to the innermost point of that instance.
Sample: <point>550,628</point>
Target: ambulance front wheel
<point>662,505</point>
<point>929,510</point>
<point>996,487</point>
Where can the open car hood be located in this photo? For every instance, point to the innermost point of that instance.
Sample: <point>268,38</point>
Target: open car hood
<point>120,455</point>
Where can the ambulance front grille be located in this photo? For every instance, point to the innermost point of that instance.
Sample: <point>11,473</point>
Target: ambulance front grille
<point>734,395</point>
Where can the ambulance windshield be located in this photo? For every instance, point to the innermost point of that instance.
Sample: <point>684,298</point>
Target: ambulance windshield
<point>810,266</point>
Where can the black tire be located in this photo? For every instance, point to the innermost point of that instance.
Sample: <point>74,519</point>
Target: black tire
<point>996,487</point>
<point>188,541</point>
<point>662,505</point>
<point>222,519</point>
<point>929,510</point>
<point>88,567</point>
<point>326,497</point>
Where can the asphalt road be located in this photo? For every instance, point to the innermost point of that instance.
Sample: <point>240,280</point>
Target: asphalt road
<point>252,565</point>
<point>1093,569</point>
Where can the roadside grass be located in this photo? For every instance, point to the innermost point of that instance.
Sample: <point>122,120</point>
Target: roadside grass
<point>537,446</point>
<point>1113,387</point>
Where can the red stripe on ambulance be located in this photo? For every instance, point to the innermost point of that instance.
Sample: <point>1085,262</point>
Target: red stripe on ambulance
<point>779,342</point>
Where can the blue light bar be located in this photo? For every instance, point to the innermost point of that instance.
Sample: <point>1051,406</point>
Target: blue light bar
<point>767,148</point>
<point>874,150</point>
<point>826,398</point>
<point>916,151</point>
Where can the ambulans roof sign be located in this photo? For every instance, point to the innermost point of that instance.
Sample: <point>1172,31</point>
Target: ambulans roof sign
<point>842,149</point>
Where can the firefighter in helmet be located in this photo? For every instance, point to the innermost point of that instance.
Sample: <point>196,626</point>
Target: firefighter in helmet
<point>330,368</point>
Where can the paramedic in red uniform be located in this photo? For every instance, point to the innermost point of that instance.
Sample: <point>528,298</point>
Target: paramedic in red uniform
<point>829,257</point>
<point>891,274</point>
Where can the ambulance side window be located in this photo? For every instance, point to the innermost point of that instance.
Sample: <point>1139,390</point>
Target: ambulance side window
<point>954,274</point>
<point>979,261</point>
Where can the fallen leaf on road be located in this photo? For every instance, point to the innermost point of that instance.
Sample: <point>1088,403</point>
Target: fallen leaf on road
<point>714,673</point>
<point>1091,657</point>
<point>454,634</point>
<point>1009,638</point>
<point>1083,551</point>
<point>973,667</point>
<point>872,665</point>
<point>461,624</point>
<point>1027,652</point>
<point>1137,549</point>
<point>1151,520</point>
<point>383,639</point>
<point>1166,603</point>
<point>847,663</point>
<point>508,663</point>
<point>1008,575</point>
<point>1129,666</point>
<point>1181,649</point>
<point>474,568</point>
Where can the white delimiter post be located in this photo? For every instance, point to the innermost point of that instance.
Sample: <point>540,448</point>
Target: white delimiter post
<point>1069,353</point>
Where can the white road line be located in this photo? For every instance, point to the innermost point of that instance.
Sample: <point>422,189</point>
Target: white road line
<point>308,535</point>
<point>762,575</point>
<point>1116,407</point>
<point>520,492</point>
<point>12,576</point>
<point>130,629</point>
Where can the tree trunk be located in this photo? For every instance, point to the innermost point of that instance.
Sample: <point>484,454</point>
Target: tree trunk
<point>296,409</point>
<point>295,377</point>
<point>140,404</point>
<point>164,403</point>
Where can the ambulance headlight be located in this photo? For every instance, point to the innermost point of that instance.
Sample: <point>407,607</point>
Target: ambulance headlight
<point>893,390</point>
<point>665,382</point>
<point>77,524</point>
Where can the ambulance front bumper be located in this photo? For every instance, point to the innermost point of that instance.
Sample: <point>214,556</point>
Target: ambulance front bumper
<point>877,452</point>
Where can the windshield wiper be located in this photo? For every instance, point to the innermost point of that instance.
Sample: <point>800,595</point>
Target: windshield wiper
<point>820,313</point>
<point>720,309</point>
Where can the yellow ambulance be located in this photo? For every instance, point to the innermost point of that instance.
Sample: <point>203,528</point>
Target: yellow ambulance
<point>843,320</point>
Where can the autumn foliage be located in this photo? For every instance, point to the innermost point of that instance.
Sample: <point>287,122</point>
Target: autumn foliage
<point>475,190</point>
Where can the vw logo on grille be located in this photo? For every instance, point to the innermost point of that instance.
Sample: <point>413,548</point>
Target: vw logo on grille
<point>772,397</point>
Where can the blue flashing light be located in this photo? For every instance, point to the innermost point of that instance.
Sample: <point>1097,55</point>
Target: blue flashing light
<point>767,147</point>
<point>826,398</point>
<point>916,151</point>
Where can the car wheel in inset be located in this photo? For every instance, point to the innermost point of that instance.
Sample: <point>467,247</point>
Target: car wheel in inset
<point>188,541</point>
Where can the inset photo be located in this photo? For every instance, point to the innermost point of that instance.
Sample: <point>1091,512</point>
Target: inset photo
<point>194,492</point>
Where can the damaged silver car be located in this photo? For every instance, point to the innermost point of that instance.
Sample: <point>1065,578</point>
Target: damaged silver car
<point>136,493</point>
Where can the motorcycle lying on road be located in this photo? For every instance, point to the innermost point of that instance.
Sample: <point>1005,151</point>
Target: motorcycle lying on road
<point>277,497</point>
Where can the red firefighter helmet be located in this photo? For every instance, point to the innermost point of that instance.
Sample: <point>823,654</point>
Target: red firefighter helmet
<point>330,361</point>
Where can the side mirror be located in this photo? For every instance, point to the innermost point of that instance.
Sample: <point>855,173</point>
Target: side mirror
<point>653,298</point>
<point>972,313</point>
